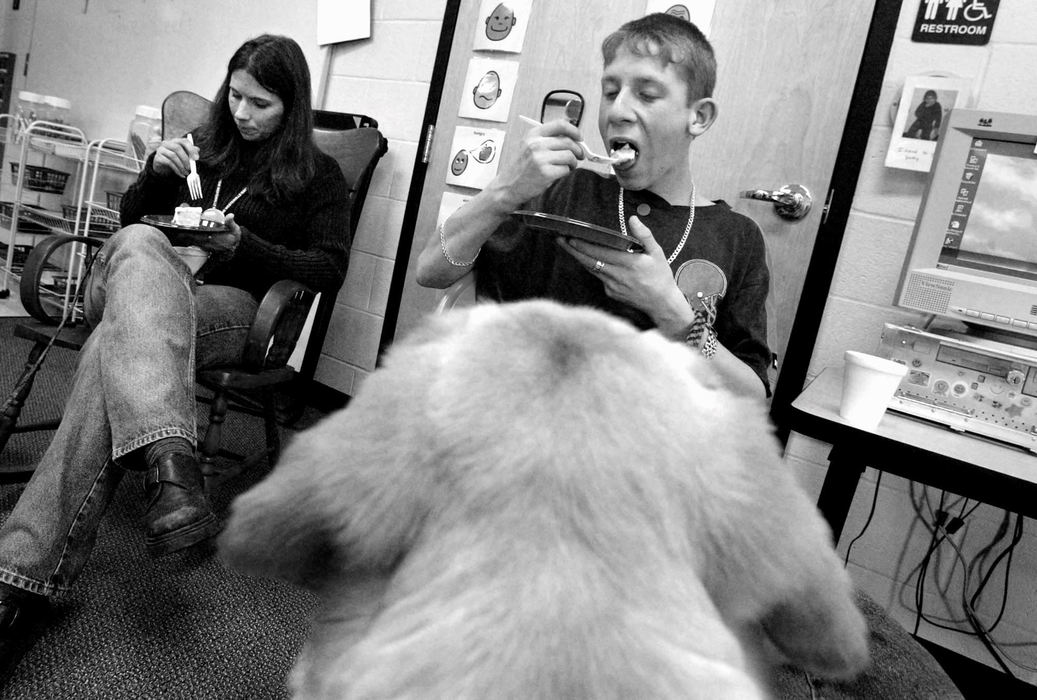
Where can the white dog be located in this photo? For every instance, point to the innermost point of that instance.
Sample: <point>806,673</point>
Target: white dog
<point>535,501</point>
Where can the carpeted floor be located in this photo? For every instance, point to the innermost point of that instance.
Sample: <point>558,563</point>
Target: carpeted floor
<point>183,626</point>
<point>187,627</point>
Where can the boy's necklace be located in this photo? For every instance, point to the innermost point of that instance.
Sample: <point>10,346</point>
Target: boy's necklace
<point>687,229</point>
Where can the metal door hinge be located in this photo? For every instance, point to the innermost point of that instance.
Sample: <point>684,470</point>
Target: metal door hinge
<point>426,149</point>
<point>828,207</point>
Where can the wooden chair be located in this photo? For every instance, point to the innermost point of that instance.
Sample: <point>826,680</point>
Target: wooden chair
<point>355,142</point>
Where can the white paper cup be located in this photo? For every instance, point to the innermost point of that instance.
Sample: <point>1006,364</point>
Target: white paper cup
<point>869,383</point>
<point>194,256</point>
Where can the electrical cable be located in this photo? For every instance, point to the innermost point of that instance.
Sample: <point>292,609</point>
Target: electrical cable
<point>867,521</point>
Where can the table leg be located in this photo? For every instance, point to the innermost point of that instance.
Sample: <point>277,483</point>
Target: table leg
<point>844,472</point>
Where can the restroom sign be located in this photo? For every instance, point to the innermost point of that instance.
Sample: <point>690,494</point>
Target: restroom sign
<point>955,21</point>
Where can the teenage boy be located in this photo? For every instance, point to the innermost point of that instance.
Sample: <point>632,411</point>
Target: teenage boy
<point>702,277</point>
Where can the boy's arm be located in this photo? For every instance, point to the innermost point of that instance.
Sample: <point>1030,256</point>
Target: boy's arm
<point>548,152</point>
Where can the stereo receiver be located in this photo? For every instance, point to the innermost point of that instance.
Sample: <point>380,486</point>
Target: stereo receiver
<point>969,384</point>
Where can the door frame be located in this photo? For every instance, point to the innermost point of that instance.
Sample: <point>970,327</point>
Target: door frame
<point>825,254</point>
<point>839,200</point>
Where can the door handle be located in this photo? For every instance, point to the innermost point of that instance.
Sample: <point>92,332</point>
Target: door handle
<point>790,202</point>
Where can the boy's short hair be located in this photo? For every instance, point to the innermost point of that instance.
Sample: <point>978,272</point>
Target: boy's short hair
<point>671,40</point>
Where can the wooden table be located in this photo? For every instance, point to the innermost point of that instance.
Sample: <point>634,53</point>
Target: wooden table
<point>998,474</point>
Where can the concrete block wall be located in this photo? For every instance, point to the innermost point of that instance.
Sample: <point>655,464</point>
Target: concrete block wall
<point>884,560</point>
<point>386,77</point>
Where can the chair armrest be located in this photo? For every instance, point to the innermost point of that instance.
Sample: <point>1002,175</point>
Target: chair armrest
<point>461,293</point>
<point>50,307</point>
<point>277,326</point>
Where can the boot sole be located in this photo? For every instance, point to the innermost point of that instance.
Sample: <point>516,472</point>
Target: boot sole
<point>191,534</point>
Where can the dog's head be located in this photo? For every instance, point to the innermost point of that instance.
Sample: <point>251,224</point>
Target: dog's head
<point>498,436</point>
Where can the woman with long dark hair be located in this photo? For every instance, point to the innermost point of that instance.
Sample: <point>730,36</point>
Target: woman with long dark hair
<point>131,406</point>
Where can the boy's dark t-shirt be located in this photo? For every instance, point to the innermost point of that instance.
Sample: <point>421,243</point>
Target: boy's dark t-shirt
<point>724,257</point>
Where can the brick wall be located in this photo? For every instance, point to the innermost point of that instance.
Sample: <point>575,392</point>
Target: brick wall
<point>875,245</point>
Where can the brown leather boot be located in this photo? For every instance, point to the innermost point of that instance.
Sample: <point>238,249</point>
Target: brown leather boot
<point>178,514</point>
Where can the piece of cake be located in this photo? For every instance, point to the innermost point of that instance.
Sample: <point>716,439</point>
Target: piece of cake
<point>187,216</point>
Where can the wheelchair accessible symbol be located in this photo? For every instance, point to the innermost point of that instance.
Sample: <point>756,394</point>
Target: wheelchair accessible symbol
<point>955,21</point>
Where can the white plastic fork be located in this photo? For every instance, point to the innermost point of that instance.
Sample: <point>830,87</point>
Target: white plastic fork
<point>194,183</point>
<point>587,152</point>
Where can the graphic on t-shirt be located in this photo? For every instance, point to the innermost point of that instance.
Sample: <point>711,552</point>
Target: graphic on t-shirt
<point>702,282</point>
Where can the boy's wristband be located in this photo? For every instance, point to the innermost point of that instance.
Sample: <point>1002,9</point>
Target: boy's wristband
<point>701,335</point>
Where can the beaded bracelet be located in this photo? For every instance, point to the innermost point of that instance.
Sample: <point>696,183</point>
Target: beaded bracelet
<point>701,335</point>
<point>449,258</point>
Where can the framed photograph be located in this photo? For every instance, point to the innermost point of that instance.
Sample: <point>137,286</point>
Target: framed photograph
<point>924,105</point>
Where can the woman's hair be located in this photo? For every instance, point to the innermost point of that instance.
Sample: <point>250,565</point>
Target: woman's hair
<point>285,162</point>
<point>670,40</point>
<point>929,93</point>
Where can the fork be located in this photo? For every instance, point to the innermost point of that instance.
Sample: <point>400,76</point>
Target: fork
<point>587,152</point>
<point>194,183</point>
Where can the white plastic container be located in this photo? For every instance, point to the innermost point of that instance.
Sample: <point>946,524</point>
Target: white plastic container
<point>145,132</point>
<point>30,105</point>
<point>58,109</point>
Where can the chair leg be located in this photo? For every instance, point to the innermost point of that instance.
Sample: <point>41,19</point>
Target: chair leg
<point>12,409</point>
<point>273,434</point>
<point>210,446</point>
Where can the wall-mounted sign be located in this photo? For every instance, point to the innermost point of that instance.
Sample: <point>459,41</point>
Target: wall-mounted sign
<point>955,21</point>
<point>698,12</point>
<point>489,86</point>
<point>503,25</point>
<point>474,162</point>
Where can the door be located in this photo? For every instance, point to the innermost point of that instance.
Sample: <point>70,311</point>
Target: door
<point>786,72</point>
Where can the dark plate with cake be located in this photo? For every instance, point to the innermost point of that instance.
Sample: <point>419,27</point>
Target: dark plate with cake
<point>572,228</point>
<point>181,234</point>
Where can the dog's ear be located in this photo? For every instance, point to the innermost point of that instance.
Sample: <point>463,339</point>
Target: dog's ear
<point>349,493</point>
<point>770,555</point>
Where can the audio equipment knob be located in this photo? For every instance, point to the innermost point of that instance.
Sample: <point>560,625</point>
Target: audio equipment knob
<point>1015,378</point>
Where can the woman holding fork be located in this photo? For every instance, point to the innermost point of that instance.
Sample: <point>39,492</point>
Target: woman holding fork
<point>286,209</point>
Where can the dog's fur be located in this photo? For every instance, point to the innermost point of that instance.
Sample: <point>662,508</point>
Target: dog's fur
<point>534,501</point>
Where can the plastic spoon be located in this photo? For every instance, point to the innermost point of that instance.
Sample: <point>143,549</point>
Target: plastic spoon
<point>587,152</point>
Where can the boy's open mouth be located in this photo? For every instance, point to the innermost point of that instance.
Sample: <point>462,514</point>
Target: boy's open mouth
<point>625,151</point>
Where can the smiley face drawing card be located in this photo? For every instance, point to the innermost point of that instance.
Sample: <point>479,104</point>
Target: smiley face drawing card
<point>489,86</point>
<point>698,12</point>
<point>475,156</point>
<point>502,25</point>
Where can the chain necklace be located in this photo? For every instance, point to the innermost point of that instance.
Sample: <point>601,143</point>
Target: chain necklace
<point>216,197</point>
<point>687,229</point>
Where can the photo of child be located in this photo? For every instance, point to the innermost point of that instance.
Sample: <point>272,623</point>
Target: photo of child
<point>928,115</point>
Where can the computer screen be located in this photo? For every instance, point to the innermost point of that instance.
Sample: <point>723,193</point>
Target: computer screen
<point>973,255</point>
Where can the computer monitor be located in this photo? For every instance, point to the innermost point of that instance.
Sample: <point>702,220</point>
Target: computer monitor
<point>973,255</point>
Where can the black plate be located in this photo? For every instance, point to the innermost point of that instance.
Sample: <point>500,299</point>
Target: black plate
<point>165,221</point>
<point>572,228</point>
<point>182,235</point>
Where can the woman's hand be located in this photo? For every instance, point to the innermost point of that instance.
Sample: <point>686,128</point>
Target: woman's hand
<point>226,241</point>
<point>642,280</point>
<point>173,157</point>
<point>549,152</point>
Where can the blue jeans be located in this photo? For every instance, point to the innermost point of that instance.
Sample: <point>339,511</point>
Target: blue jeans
<point>134,384</point>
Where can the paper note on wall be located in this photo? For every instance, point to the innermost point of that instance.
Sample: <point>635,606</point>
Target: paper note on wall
<point>502,25</point>
<point>925,102</point>
<point>475,156</point>
<point>698,12</point>
<point>343,20</point>
<point>489,87</point>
